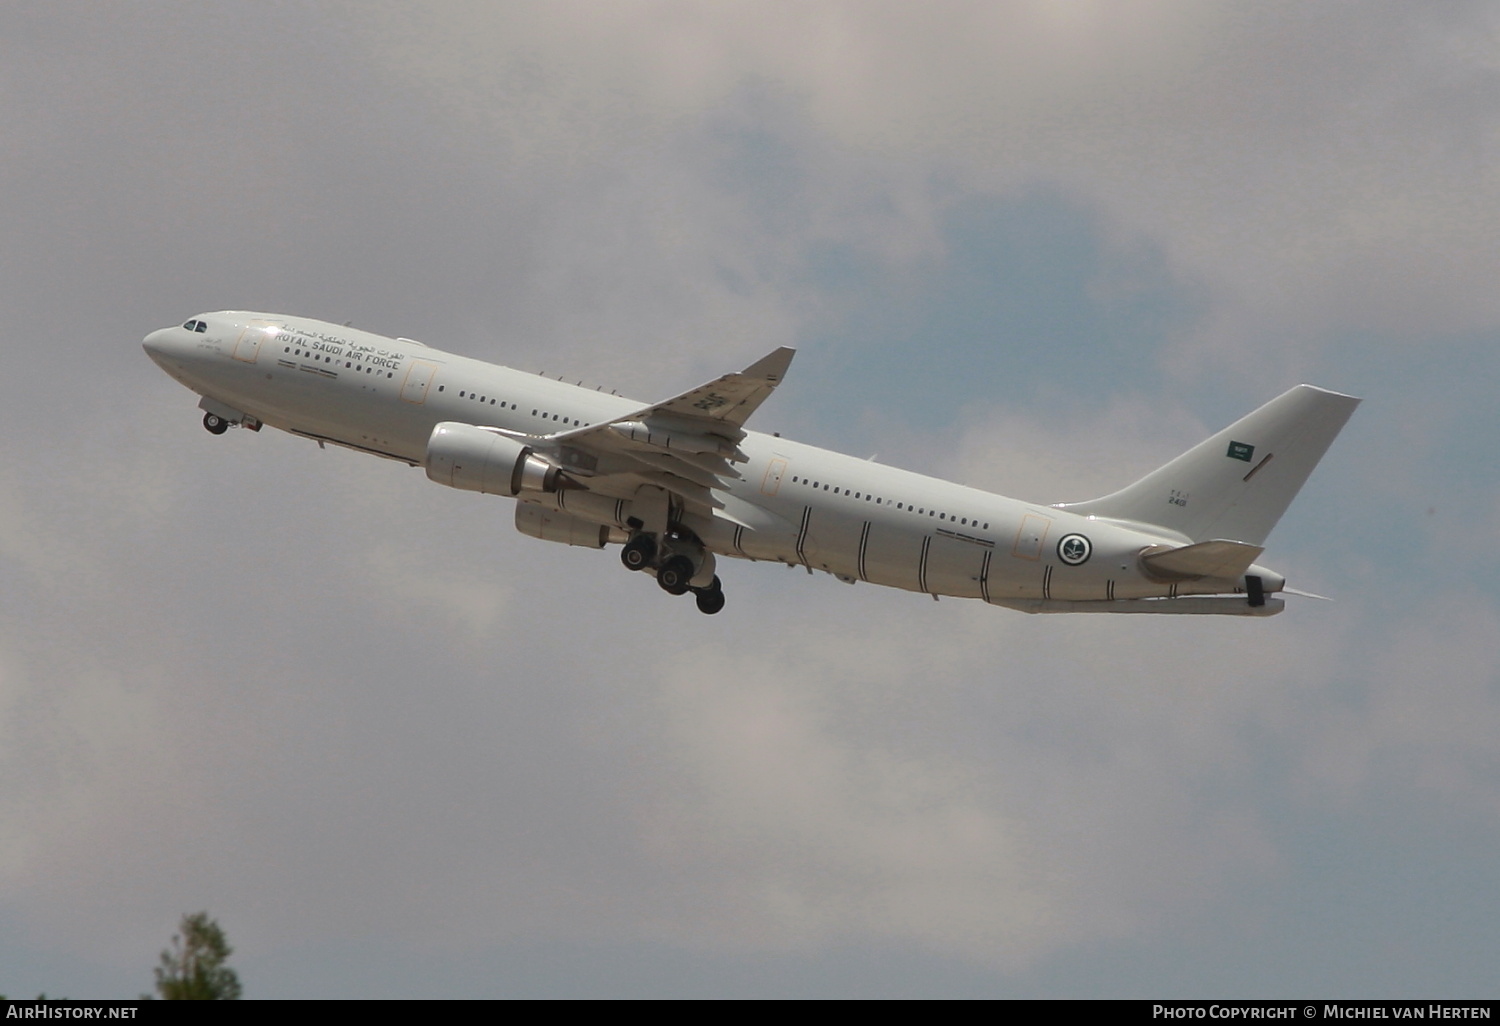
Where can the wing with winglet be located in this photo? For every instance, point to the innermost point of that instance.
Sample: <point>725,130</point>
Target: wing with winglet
<point>688,445</point>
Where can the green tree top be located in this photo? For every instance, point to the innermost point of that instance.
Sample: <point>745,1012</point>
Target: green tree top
<point>194,969</point>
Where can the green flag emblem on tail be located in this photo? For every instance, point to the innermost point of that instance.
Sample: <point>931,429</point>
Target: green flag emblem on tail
<point>1240,451</point>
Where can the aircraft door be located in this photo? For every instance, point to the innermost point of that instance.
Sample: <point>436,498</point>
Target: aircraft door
<point>247,346</point>
<point>418,379</point>
<point>771,484</point>
<point>1030,536</point>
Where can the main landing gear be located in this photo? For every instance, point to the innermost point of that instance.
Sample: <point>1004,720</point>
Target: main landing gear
<point>215,424</point>
<point>674,574</point>
<point>638,552</point>
<point>679,559</point>
<point>711,599</point>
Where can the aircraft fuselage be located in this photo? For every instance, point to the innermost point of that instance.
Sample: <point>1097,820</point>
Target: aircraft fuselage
<point>791,503</point>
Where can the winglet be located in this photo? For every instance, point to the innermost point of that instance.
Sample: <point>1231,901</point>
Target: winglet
<point>732,398</point>
<point>772,367</point>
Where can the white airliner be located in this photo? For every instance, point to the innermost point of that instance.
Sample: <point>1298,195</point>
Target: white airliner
<point>681,482</point>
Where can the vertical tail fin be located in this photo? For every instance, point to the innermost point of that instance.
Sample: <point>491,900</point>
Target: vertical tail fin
<point>1237,484</point>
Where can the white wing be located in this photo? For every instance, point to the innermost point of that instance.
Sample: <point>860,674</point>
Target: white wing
<point>688,445</point>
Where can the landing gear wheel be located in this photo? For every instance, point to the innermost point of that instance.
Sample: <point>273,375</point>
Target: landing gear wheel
<point>711,600</point>
<point>638,552</point>
<point>674,574</point>
<point>215,424</point>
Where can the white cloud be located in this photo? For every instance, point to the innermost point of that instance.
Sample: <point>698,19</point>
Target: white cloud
<point>1313,167</point>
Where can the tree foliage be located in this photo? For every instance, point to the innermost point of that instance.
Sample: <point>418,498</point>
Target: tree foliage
<point>194,969</point>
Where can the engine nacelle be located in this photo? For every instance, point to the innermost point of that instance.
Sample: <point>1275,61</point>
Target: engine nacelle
<point>556,526</point>
<point>471,458</point>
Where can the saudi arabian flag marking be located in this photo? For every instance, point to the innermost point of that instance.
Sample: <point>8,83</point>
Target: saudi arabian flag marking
<point>1240,451</point>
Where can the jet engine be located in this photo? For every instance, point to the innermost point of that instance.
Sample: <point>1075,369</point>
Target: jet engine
<point>556,526</point>
<point>477,460</point>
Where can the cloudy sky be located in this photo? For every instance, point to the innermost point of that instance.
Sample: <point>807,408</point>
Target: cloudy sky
<point>397,749</point>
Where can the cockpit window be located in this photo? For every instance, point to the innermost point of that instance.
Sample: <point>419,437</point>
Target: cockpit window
<point>202,326</point>
<point>191,325</point>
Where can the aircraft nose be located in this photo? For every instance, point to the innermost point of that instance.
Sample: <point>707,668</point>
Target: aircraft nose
<point>158,344</point>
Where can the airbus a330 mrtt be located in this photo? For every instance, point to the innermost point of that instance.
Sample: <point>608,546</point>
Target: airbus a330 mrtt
<point>681,483</point>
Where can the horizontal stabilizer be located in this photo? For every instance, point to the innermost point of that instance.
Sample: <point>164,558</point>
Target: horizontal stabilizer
<point>1204,559</point>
